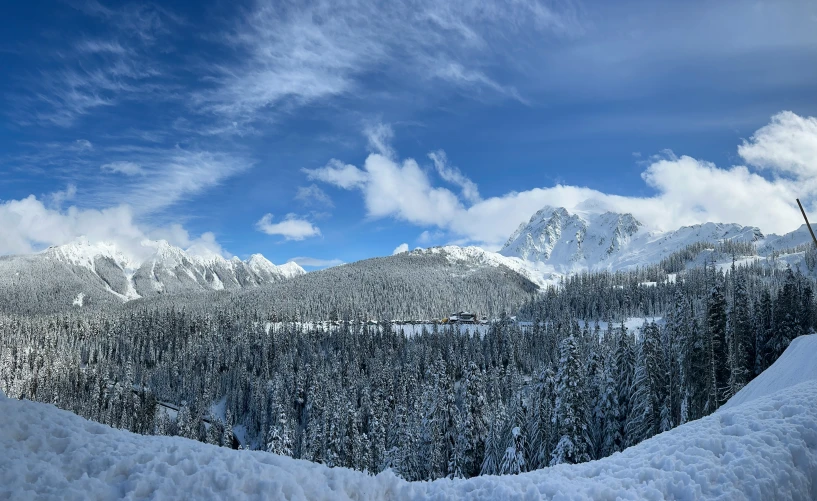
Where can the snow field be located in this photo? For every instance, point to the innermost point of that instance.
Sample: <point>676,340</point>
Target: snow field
<point>762,446</point>
<point>797,364</point>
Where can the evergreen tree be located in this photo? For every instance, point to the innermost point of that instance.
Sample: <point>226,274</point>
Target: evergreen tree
<point>569,413</point>
<point>718,350</point>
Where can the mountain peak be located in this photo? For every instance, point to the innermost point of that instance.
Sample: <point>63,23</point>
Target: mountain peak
<point>83,252</point>
<point>592,238</point>
<point>571,238</point>
<point>166,268</point>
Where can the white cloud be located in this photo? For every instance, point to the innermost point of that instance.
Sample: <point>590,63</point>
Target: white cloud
<point>400,249</point>
<point>451,174</point>
<point>124,167</point>
<point>297,53</point>
<point>788,145</point>
<point>168,176</point>
<point>206,246</point>
<point>427,237</point>
<point>92,73</point>
<point>27,226</point>
<point>336,172</point>
<point>313,262</point>
<point>379,137</point>
<point>291,227</point>
<point>312,195</point>
<point>83,145</point>
<point>59,197</point>
<point>688,191</point>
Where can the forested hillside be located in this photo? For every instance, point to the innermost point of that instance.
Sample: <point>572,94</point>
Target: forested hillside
<point>442,403</point>
<point>30,284</point>
<point>405,286</point>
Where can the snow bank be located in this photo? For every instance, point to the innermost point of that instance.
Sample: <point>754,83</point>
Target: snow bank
<point>797,364</point>
<point>765,448</point>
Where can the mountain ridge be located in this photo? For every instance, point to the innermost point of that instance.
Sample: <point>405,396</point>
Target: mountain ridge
<point>567,241</point>
<point>82,273</point>
<point>554,243</point>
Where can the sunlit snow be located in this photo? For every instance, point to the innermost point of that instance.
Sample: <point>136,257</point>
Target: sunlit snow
<point>761,446</point>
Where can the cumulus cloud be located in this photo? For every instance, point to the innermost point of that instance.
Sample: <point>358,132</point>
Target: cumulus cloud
<point>28,225</point>
<point>400,249</point>
<point>291,227</point>
<point>312,262</point>
<point>206,246</point>
<point>687,190</point>
<point>787,145</point>
<point>124,168</point>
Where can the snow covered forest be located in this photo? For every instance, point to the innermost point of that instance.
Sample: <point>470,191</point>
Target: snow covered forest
<point>573,385</point>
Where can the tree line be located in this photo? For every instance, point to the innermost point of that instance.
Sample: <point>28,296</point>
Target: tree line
<point>576,384</point>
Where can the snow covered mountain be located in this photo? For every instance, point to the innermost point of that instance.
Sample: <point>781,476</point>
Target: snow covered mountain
<point>772,242</point>
<point>563,241</point>
<point>763,447</point>
<point>82,272</point>
<point>421,284</point>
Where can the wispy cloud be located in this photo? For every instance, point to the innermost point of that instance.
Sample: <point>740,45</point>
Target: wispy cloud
<point>291,227</point>
<point>59,197</point>
<point>313,196</point>
<point>124,167</point>
<point>451,174</point>
<point>149,179</point>
<point>297,53</point>
<point>165,176</point>
<point>118,63</point>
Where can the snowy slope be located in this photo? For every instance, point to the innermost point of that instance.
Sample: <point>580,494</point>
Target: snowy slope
<point>764,448</point>
<point>797,364</point>
<point>563,241</point>
<point>797,237</point>
<point>477,256</point>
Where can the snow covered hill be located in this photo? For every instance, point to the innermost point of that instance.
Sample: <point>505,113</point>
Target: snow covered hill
<point>797,364</point>
<point>562,241</point>
<point>764,447</point>
<point>797,237</point>
<point>102,273</point>
<point>476,257</point>
<point>417,285</point>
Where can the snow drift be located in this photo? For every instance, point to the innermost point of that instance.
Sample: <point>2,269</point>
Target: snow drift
<point>762,446</point>
<point>797,364</point>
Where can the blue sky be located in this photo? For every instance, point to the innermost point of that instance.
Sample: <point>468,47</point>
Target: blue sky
<point>335,131</point>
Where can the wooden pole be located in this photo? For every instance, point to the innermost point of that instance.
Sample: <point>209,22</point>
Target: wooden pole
<point>807,223</point>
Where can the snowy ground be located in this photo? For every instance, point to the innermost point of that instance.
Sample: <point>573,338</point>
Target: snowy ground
<point>409,329</point>
<point>762,448</point>
<point>797,364</point>
<point>632,324</point>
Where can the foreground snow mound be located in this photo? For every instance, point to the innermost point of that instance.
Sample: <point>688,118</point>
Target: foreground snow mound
<point>764,449</point>
<point>797,364</point>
